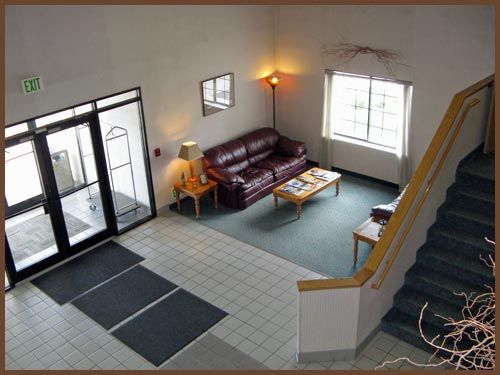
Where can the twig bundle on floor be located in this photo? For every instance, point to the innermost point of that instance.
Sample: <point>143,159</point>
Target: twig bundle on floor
<point>471,343</point>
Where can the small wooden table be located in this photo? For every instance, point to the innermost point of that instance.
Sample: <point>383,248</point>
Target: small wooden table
<point>366,232</point>
<point>305,194</point>
<point>196,193</point>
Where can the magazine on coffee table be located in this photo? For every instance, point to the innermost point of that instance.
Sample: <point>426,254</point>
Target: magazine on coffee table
<point>300,185</point>
<point>323,175</point>
<point>291,190</point>
<point>307,179</point>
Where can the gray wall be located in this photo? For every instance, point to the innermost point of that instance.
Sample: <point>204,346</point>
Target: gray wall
<point>85,52</point>
<point>446,48</point>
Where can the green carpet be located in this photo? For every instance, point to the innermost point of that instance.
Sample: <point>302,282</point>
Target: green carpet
<point>321,240</point>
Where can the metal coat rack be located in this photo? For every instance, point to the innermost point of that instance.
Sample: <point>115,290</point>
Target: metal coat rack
<point>118,133</point>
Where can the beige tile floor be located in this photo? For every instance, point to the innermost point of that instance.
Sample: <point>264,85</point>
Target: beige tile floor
<point>257,289</point>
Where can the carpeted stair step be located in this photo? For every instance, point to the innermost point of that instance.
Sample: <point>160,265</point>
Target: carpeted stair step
<point>453,264</point>
<point>466,220</point>
<point>472,199</point>
<point>478,172</point>
<point>449,262</point>
<point>471,245</point>
<point>405,327</point>
<point>410,301</point>
<point>439,285</point>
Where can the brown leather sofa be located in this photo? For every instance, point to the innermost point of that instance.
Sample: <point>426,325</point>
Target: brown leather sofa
<point>251,166</point>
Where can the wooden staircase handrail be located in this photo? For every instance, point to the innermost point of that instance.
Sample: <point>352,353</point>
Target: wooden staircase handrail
<point>403,209</point>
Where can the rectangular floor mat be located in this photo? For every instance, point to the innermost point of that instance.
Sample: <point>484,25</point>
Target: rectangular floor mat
<point>123,296</point>
<point>75,277</point>
<point>165,328</point>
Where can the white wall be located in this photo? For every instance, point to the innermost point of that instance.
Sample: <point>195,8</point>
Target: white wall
<point>446,48</point>
<point>85,52</point>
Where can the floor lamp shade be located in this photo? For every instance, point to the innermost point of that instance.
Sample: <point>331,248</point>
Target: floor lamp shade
<point>273,81</point>
<point>190,151</point>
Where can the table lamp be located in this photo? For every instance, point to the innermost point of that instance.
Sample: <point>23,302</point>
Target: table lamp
<point>191,152</point>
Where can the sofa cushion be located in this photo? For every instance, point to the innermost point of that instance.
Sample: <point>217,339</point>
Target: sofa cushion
<point>260,143</point>
<point>278,164</point>
<point>223,175</point>
<point>257,180</point>
<point>288,147</point>
<point>255,176</point>
<point>231,155</point>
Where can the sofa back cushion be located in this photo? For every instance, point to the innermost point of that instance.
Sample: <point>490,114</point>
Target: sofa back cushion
<point>260,143</point>
<point>231,156</point>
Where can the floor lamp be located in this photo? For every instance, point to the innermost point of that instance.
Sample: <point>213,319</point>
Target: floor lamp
<point>273,81</point>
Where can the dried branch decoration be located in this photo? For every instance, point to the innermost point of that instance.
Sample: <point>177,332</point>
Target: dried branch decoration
<point>348,51</point>
<point>476,326</point>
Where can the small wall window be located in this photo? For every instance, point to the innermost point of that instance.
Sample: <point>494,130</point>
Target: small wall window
<point>368,109</point>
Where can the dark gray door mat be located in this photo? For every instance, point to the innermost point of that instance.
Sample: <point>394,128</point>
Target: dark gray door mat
<point>71,279</point>
<point>122,296</point>
<point>165,328</point>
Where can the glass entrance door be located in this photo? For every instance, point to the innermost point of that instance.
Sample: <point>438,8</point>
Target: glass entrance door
<point>28,225</point>
<point>52,183</point>
<point>72,159</point>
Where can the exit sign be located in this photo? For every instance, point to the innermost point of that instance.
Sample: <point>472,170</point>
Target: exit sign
<point>32,84</point>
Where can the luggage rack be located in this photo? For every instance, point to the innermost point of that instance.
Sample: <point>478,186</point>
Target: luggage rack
<point>123,204</point>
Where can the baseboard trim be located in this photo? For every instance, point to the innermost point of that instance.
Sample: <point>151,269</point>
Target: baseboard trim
<point>368,338</point>
<point>326,356</point>
<point>365,177</point>
<point>171,206</point>
<point>337,355</point>
<point>312,163</point>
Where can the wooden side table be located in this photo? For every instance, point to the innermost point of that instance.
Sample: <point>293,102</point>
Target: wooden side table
<point>366,232</point>
<point>196,193</point>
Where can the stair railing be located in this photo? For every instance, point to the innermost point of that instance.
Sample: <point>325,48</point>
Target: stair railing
<point>419,182</point>
<point>413,199</point>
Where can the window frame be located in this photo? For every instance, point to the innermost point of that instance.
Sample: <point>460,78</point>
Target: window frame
<point>337,135</point>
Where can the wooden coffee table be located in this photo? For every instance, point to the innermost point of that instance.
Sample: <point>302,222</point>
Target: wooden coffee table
<point>366,232</point>
<point>305,194</point>
<point>196,193</point>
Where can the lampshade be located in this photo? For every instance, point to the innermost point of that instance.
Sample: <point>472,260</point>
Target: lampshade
<point>190,151</point>
<point>273,80</point>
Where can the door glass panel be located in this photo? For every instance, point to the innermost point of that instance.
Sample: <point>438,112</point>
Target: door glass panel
<point>30,237</point>
<point>20,187</point>
<point>83,213</point>
<point>73,162</point>
<point>87,153</point>
<point>66,160</point>
<point>125,161</point>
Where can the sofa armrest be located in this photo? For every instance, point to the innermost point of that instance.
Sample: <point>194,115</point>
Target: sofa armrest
<point>288,147</point>
<point>222,175</point>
